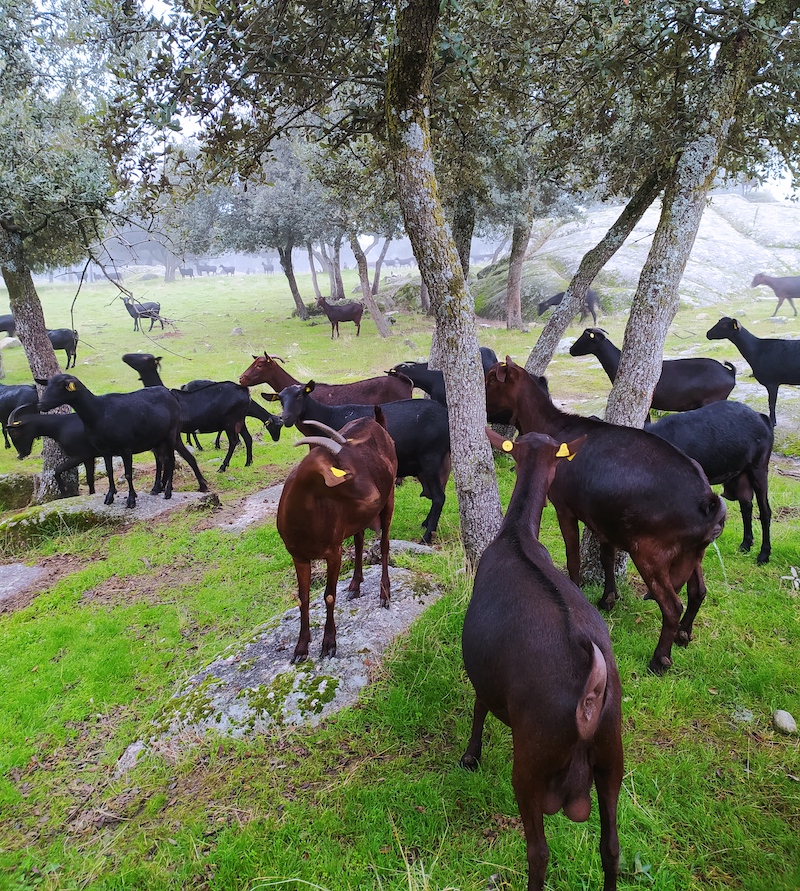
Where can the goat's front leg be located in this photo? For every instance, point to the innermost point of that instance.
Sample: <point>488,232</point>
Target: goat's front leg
<point>608,559</point>
<point>354,589</point>
<point>695,595</point>
<point>386,521</point>
<point>127,460</point>
<point>670,605</point>
<point>108,460</point>
<point>303,570</point>
<point>568,523</point>
<point>332,578</point>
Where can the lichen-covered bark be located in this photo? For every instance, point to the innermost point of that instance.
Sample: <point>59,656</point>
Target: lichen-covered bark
<point>519,245</point>
<point>463,227</point>
<point>366,291</point>
<point>285,256</point>
<point>542,353</point>
<point>376,281</point>
<point>407,115</point>
<point>313,268</point>
<point>32,333</point>
<point>656,300</point>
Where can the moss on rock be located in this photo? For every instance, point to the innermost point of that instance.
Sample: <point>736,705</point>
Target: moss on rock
<point>16,490</point>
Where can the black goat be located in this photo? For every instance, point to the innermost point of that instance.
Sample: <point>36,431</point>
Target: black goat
<point>125,424</point>
<point>733,444</point>
<point>590,304</point>
<point>227,270</point>
<point>211,407</point>
<point>539,657</point>
<point>67,340</point>
<point>684,384</point>
<point>8,325</point>
<point>11,397</point>
<point>419,428</point>
<point>786,287</point>
<point>773,361</point>
<point>204,267</point>
<point>432,380</point>
<point>147,310</point>
<point>26,425</point>
<point>342,312</point>
<point>186,272</point>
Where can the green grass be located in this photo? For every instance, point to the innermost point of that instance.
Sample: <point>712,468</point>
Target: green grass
<point>374,797</point>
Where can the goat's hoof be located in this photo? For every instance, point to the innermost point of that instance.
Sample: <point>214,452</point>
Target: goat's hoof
<point>605,604</point>
<point>469,762</point>
<point>683,638</point>
<point>326,651</point>
<point>297,658</point>
<point>203,487</point>
<point>762,559</point>
<point>354,595</point>
<point>660,666</point>
<point>109,499</point>
<point>385,602</point>
<point>745,546</point>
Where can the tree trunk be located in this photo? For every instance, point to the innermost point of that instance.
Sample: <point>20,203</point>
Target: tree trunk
<point>336,269</point>
<point>170,267</point>
<point>285,255</point>
<point>32,333</point>
<point>463,227</point>
<point>407,113</point>
<point>519,245</point>
<point>541,355</point>
<point>424,297</point>
<point>366,292</point>
<point>376,279</point>
<point>313,269</point>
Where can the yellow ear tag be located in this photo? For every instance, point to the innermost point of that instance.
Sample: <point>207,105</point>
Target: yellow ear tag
<point>591,334</point>
<point>337,472</point>
<point>735,325</point>
<point>563,452</point>
<point>71,388</point>
<point>507,445</point>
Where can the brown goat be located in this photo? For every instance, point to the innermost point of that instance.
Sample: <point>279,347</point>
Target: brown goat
<point>342,312</point>
<point>343,486</point>
<point>634,491</point>
<point>371,391</point>
<point>539,657</point>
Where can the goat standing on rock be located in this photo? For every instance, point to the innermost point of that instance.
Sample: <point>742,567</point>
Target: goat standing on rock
<point>539,657</point>
<point>344,485</point>
<point>124,424</point>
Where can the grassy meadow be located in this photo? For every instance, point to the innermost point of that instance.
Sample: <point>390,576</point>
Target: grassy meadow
<point>374,797</point>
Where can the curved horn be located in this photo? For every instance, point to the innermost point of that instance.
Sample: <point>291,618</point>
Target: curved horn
<point>334,434</point>
<point>323,441</point>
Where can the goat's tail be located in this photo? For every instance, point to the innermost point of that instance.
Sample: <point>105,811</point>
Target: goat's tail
<point>731,366</point>
<point>590,704</point>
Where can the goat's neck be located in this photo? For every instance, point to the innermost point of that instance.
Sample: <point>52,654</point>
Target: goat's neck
<point>150,379</point>
<point>529,498</point>
<point>609,357</point>
<point>534,412</point>
<point>745,342</point>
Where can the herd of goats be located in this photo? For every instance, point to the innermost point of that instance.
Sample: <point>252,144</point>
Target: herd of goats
<point>537,652</point>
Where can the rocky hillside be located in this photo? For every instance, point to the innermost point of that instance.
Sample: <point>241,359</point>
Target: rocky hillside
<point>738,238</point>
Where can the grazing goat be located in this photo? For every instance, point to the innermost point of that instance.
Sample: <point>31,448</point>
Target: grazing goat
<point>590,304</point>
<point>148,310</point>
<point>344,485</point>
<point>685,384</point>
<point>124,424</point>
<point>342,312</point>
<point>214,406</point>
<point>733,444</point>
<point>539,657</point>
<point>8,325</point>
<point>67,340</point>
<point>772,360</point>
<point>634,491</point>
<point>786,287</point>
<point>26,424</point>
<point>419,428</point>
<point>186,272</point>
<point>373,391</point>
<point>209,270</point>
<point>11,397</point>
<point>227,270</point>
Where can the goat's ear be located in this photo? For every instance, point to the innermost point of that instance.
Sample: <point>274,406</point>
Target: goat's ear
<point>335,476</point>
<point>499,442</point>
<point>735,325</point>
<point>271,397</point>
<point>70,386</point>
<point>309,387</point>
<point>569,450</point>
<point>41,381</point>
<point>501,370</point>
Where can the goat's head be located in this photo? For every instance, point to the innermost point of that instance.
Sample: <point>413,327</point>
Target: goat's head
<point>588,342</point>
<point>61,389</point>
<point>724,328</point>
